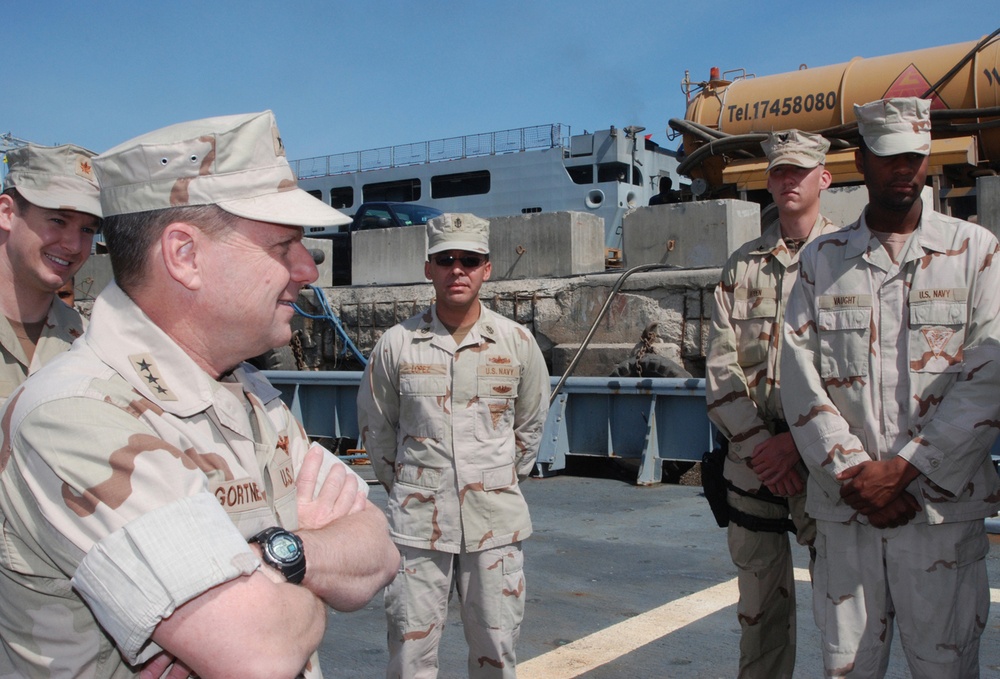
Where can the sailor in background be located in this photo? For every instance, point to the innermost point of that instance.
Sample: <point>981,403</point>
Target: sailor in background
<point>765,478</point>
<point>451,409</point>
<point>666,194</point>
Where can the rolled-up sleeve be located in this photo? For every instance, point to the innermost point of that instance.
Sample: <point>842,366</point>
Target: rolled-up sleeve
<point>140,574</point>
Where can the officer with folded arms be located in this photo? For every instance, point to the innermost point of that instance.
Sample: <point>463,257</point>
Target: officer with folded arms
<point>162,510</point>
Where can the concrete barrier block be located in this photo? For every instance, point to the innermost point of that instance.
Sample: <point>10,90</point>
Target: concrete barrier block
<point>842,205</point>
<point>696,234</point>
<point>92,277</point>
<point>988,203</point>
<point>325,267</point>
<point>389,256</point>
<point>541,245</point>
<point>549,244</point>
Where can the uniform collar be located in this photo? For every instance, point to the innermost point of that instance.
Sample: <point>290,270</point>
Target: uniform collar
<point>431,328</point>
<point>125,338</point>
<point>930,235</point>
<point>61,321</point>
<point>771,242</point>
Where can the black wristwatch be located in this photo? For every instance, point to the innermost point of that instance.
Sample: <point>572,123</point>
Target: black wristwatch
<point>282,550</point>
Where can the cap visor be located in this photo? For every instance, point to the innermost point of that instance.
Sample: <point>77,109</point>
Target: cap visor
<point>464,245</point>
<point>291,208</point>
<point>62,200</point>
<point>804,162</point>
<point>896,144</point>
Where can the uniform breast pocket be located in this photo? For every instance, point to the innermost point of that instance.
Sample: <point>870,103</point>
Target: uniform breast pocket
<point>415,476</point>
<point>937,335</point>
<point>844,339</point>
<point>19,557</point>
<point>423,399</point>
<point>754,325</point>
<point>495,407</point>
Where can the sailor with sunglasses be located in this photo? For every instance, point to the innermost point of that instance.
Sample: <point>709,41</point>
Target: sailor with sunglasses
<point>451,410</point>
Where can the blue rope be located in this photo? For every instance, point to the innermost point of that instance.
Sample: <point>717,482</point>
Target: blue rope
<point>328,315</point>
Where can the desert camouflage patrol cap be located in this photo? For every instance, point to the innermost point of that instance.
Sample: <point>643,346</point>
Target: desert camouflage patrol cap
<point>795,147</point>
<point>236,162</point>
<point>458,231</point>
<point>55,177</point>
<point>894,126</point>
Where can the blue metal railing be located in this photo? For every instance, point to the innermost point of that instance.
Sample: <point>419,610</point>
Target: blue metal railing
<point>644,419</point>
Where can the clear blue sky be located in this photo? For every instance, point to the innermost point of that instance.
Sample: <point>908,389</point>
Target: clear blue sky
<point>346,76</point>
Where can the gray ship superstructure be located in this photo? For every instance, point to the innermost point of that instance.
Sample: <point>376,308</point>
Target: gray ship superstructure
<point>543,168</point>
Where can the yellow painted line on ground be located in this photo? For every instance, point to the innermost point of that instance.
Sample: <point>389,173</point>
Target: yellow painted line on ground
<point>600,648</point>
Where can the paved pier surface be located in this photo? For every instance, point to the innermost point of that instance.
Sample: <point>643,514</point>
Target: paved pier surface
<point>622,581</point>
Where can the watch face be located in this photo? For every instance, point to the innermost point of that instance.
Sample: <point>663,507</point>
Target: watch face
<point>284,547</point>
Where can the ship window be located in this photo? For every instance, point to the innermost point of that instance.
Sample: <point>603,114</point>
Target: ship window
<point>612,172</point>
<point>317,194</point>
<point>460,184</point>
<point>636,176</point>
<point>581,174</point>
<point>530,210</point>
<point>342,197</point>
<point>400,191</point>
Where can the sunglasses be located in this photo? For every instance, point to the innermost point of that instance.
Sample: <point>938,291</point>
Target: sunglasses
<point>467,261</point>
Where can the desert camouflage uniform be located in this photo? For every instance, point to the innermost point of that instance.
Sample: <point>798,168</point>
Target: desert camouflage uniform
<point>62,325</point>
<point>885,359</point>
<point>451,430</point>
<point>124,469</point>
<point>742,379</point>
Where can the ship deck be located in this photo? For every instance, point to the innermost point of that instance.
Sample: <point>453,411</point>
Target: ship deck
<point>622,581</point>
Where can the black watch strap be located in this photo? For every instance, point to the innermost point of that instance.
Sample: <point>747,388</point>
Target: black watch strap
<point>282,550</point>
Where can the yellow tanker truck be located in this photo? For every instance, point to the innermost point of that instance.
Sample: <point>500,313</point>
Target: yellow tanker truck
<point>730,113</point>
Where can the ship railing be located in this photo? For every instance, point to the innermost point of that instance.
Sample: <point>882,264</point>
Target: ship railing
<point>532,138</point>
<point>646,420</point>
<point>659,422</point>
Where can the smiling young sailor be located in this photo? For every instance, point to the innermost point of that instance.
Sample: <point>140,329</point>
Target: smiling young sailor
<point>890,374</point>
<point>50,210</point>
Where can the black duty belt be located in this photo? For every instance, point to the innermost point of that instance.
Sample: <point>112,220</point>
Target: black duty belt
<point>759,524</point>
<point>715,486</point>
